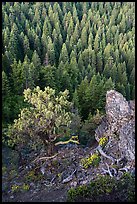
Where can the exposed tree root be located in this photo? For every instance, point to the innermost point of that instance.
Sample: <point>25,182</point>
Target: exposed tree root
<point>109,168</point>
<point>104,154</point>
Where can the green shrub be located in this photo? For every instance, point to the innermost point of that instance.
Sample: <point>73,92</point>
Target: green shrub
<point>4,170</point>
<point>105,188</point>
<point>15,188</point>
<point>33,175</point>
<point>93,160</point>
<point>25,187</point>
<point>87,131</point>
<point>19,188</point>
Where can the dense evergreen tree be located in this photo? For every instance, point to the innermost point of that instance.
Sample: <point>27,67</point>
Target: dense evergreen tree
<point>5,98</point>
<point>26,46</point>
<point>51,51</point>
<point>84,37</point>
<point>17,76</point>
<point>47,77</point>
<point>64,54</point>
<point>59,44</point>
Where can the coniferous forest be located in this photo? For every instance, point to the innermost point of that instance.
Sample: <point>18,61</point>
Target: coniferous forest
<point>67,45</point>
<point>68,54</point>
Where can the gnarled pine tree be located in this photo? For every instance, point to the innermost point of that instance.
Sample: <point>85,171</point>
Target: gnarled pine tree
<point>41,121</point>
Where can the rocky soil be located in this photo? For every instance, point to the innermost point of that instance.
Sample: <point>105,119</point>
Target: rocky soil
<point>44,179</point>
<point>49,179</point>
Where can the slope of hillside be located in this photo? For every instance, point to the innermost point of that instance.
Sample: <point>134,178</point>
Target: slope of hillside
<point>50,179</point>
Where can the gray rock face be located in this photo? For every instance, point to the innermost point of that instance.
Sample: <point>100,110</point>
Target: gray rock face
<point>119,121</point>
<point>117,108</point>
<point>127,140</point>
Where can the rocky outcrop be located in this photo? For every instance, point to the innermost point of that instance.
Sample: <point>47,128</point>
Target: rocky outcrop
<point>119,126</point>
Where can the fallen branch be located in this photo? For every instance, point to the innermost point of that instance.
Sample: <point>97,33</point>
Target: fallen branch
<point>69,178</point>
<point>66,142</point>
<point>53,179</point>
<point>44,158</point>
<point>51,182</point>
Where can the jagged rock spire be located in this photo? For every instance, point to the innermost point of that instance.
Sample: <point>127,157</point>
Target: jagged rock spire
<point>120,121</point>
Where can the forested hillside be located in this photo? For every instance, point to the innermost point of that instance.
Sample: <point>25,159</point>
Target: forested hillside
<point>68,109</point>
<point>85,47</point>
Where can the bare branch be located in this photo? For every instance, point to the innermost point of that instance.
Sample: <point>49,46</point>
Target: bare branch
<point>124,169</point>
<point>66,142</point>
<point>105,171</point>
<point>115,171</point>
<point>52,140</point>
<point>118,160</point>
<point>109,170</point>
<point>69,178</point>
<point>44,158</point>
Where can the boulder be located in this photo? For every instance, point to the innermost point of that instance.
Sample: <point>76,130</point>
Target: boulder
<point>118,125</point>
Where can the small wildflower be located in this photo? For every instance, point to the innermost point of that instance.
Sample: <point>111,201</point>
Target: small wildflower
<point>15,188</point>
<point>103,141</point>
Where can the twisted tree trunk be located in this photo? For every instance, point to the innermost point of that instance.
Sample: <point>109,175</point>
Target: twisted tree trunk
<point>99,148</point>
